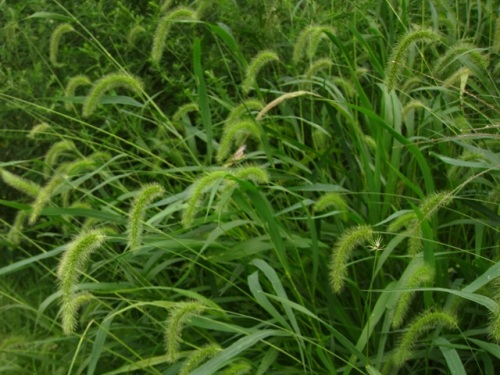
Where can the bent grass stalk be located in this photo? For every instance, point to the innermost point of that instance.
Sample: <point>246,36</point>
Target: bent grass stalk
<point>134,34</point>
<point>253,69</point>
<point>54,42</point>
<point>30,188</point>
<point>44,196</point>
<point>185,109</point>
<point>180,313</point>
<point>40,129</point>
<point>422,274</point>
<point>430,205</point>
<point>399,56</point>
<point>236,131</point>
<point>342,251</point>
<point>72,264</point>
<point>317,66</point>
<point>163,29</point>
<point>417,328</point>
<point>109,82</point>
<point>199,356</point>
<point>461,50</point>
<point>335,200</point>
<point>72,85</point>
<point>494,326</point>
<point>69,310</point>
<point>53,154</point>
<point>137,211</point>
<point>199,187</point>
<point>308,41</point>
<point>14,234</point>
<point>243,108</point>
<point>252,173</point>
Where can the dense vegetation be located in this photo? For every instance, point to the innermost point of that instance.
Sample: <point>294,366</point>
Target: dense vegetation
<point>249,187</point>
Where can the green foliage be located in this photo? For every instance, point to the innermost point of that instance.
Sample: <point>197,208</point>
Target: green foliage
<point>331,211</point>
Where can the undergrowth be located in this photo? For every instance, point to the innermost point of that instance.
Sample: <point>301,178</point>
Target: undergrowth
<point>249,187</point>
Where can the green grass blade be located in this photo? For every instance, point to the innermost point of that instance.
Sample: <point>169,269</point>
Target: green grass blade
<point>206,116</point>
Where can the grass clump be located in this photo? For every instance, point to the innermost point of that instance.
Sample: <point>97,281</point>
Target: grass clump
<point>282,165</point>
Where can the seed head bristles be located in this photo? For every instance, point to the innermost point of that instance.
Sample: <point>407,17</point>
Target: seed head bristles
<point>75,258</point>
<point>55,39</point>
<point>253,69</point>
<point>180,313</point>
<point>317,66</point>
<point>236,132</point>
<point>399,56</point>
<point>401,222</point>
<point>30,188</point>
<point>72,85</point>
<point>199,356</point>
<point>99,157</point>
<point>346,86</point>
<point>53,154</point>
<point>163,28</point>
<point>72,264</point>
<point>134,34</point>
<point>69,310</point>
<point>427,321</point>
<point>199,188</point>
<point>165,5</point>
<point>420,274</point>
<point>429,206</point>
<point>335,200</point>
<point>42,128</point>
<point>109,82</point>
<point>460,51</point>
<point>137,211</point>
<point>494,326</point>
<point>308,41</point>
<point>411,106</point>
<point>44,195</point>
<point>460,76</point>
<point>350,239</point>
<point>281,99</point>
<point>243,108</point>
<point>252,173</point>
<point>186,108</point>
<point>78,166</point>
<point>14,235</point>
